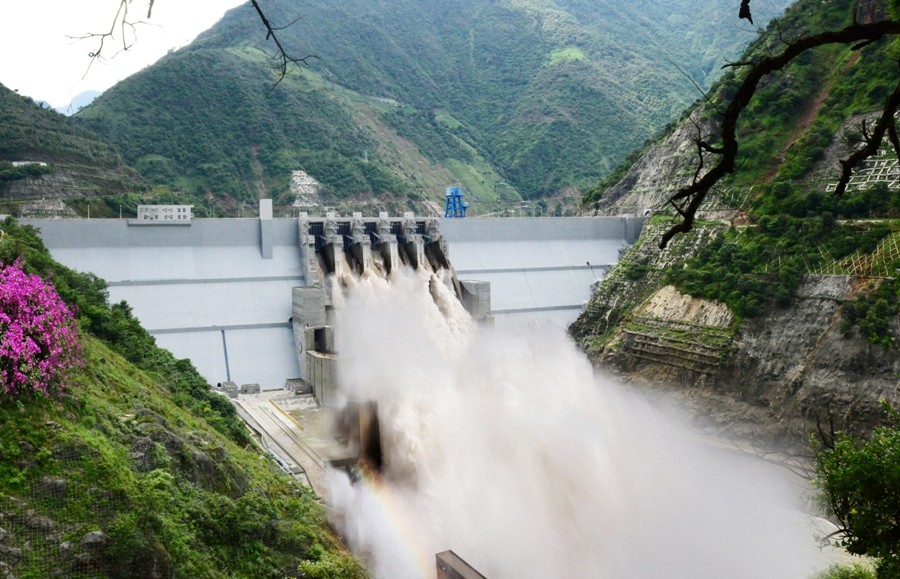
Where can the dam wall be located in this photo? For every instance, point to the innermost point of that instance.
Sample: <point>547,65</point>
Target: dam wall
<point>219,291</point>
<point>539,268</point>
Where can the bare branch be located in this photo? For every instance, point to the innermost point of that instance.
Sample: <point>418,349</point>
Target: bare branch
<point>700,158</point>
<point>827,438</point>
<point>127,29</point>
<point>121,12</point>
<point>283,58</point>
<point>707,147</point>
<point>121,25</point>
<point>831,535</point>
<point>703,93</point>
<point>696,192</point>
<point>862,45</point>
<point>739,64</point>
<point>892,136</point>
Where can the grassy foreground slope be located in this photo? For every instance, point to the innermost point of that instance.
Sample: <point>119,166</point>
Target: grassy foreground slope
<point>140,471</point>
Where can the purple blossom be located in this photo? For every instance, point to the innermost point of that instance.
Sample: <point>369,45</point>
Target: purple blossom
<point>38,334</point>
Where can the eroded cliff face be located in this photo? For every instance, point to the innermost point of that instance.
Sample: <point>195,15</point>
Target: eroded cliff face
<point>660,171</point>
<point>795,366</point>
<point>46,195</point>
<point>770,378</point>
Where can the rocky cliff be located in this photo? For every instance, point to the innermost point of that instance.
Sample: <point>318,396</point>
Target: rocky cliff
<point>768,378</point>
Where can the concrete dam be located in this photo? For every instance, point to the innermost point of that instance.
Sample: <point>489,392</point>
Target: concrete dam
<point>223,292</point>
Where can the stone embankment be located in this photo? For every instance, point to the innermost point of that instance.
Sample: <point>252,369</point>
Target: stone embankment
<point>673,329</point>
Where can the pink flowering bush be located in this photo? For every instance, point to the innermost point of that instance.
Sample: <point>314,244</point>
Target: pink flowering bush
<point>38,334</point>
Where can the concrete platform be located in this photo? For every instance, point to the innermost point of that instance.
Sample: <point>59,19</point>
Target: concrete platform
<point>296,431</point>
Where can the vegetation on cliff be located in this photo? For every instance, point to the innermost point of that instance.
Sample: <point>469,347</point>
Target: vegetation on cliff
<point>788,231</point>
<point>136,468</point>
<point>798,123</point>
<point>795,113</point>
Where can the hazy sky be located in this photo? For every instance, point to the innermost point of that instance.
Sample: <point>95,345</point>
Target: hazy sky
<point>39,60</point>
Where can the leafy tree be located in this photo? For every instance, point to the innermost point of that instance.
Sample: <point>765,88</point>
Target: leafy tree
<point>877,315</point>
<point>856,571</point>
<point>9,172</point>
<point>860,481</point>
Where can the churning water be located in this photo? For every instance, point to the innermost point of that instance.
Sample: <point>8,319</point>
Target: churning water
<point>505,447</point>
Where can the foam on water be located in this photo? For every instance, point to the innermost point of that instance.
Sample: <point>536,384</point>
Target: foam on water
<point>505,447</point>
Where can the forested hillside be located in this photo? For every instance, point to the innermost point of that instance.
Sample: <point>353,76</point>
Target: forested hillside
<point>512,99</point>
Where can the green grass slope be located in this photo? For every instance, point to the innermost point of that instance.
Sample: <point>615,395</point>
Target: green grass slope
<point>514,99</point>
<point>139,470</point>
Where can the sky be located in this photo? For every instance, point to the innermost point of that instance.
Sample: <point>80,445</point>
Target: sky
<point>40,61</point>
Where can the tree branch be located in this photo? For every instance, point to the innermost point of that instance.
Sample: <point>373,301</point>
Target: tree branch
<point>827,439</point>
<point>283,58</point>
<point>120,21</point>
<point>832,534</point>
<point>696,192</point>
<point>121,26</point>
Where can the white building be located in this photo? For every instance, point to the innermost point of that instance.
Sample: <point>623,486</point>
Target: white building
<point>165,213</point>
<point>305,189</point>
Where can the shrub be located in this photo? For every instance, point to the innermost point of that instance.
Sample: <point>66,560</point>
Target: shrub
<point>332,566</point>
<point>855,571</point>
<point>38,334</point>
<point>859,479</point>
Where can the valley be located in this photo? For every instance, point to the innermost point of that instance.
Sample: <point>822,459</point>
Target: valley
<point>535,373</point>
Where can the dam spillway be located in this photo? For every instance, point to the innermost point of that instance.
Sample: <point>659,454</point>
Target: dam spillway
<point>219,291</point>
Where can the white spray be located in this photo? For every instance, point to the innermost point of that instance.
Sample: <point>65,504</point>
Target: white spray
<point>505,447</point>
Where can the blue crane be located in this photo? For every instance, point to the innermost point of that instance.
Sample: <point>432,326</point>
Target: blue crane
<point>455,207</point>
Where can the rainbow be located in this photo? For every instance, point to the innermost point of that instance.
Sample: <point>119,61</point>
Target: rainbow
<point>401,528</point>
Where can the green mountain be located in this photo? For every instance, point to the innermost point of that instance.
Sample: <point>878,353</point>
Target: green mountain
<point>138,469</point>
<point>67,160</point>
<point>512,99</point>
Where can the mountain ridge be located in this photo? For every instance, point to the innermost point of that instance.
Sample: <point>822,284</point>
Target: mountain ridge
<point>512,100</point>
